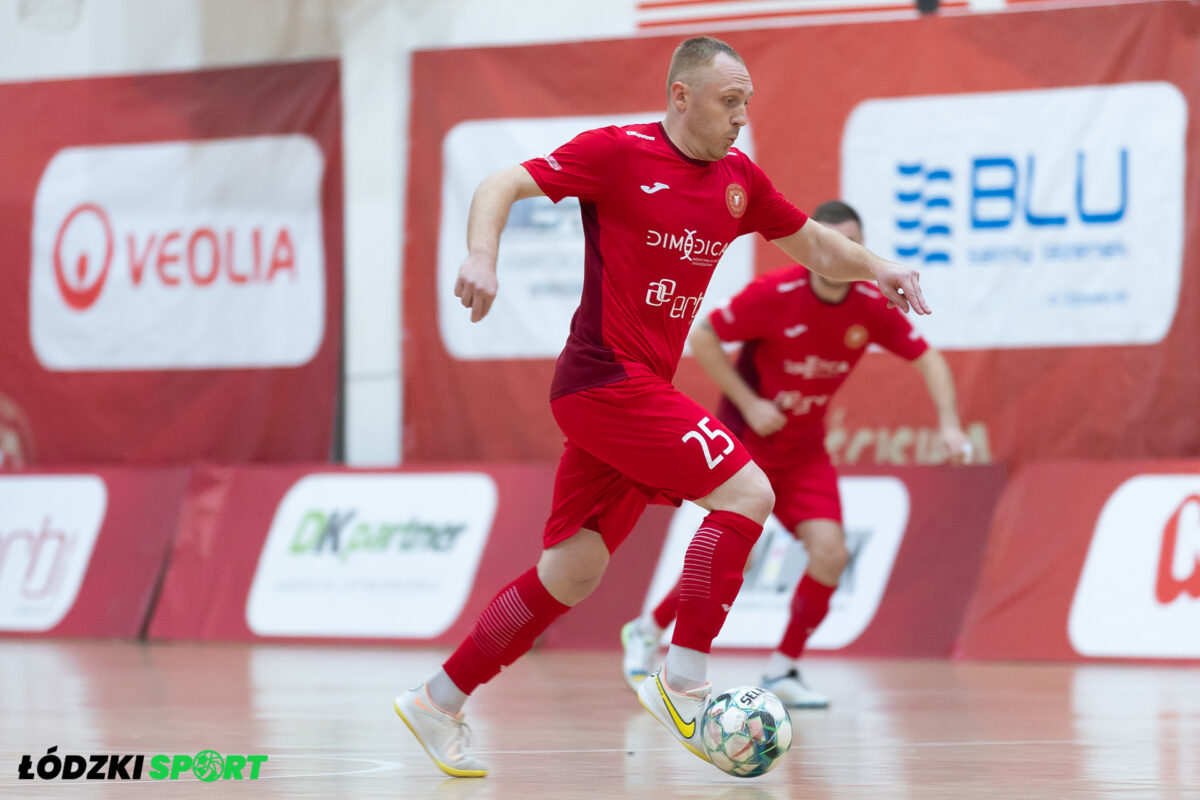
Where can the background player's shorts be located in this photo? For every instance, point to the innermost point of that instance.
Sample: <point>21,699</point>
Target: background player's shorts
<point>629,443</point>
<point>806,489</point>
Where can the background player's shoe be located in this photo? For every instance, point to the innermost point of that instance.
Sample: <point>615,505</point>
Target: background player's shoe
<point>444,736</point>
<point>641,651</point>
<point>680,712</point>
<point>791,689</point>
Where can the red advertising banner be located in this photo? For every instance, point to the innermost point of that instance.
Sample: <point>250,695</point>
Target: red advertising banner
<point>172,264</point>
<point>1033,166</point>
<point>335,554</point>
<point>1091,560</point>
<point>81,554</point>
<point>413,555</point>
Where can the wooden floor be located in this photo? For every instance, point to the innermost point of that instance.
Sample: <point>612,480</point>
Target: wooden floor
<point>563,725</point>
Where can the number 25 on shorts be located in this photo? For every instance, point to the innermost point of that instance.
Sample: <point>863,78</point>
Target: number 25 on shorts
<point>713,436</point>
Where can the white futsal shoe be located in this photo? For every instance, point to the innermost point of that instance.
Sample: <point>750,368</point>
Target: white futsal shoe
<point>794,692</point>
<point>679,712</point>
<point>641,651</point>
<point>444,736</point>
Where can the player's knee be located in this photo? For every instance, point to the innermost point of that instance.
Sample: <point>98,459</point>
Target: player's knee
<point>572,573</point>
<point>759,497</point>
<point>828,554</point>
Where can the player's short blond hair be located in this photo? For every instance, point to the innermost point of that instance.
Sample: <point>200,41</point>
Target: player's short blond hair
<point>694,53</point>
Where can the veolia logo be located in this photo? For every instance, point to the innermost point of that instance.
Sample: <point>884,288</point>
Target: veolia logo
<point>81,280</point>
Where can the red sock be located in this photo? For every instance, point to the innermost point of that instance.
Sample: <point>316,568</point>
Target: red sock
<point>664,612</point>
<point>712,575</point>
<point>504,631</point>
<point>810,604</point>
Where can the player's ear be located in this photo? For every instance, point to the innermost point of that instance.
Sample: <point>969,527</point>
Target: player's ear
<point>680,95</point>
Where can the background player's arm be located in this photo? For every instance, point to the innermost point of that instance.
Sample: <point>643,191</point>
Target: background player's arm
<point>940,382</point>
<point>763,417</point>
<point>476,285</point>
<point>836,257</point>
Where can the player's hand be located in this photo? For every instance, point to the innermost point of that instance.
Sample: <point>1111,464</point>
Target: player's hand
<point>957,445</point>
<point>902,287</point>
<point>477,285</point>
<point>763,416</point>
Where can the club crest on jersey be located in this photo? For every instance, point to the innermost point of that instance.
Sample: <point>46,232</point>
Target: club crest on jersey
<point>856,336</point>
<point>735,200</point>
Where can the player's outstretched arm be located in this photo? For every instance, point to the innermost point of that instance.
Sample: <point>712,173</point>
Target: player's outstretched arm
<point>830,254</point>
<point>477,284</point>
<point>940,383</point>
<point>763,416</point>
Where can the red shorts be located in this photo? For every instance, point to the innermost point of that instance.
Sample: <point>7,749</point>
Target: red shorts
<point>805,489</point>
<point>630,443</point>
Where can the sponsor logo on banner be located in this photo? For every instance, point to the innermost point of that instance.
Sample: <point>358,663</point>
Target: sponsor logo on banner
<point>1139,594</point>
<point>1043,218</point>
<point>542,247</point>
<point>179,255</point>
<point>354,555</point>
<point>48,527</point>
<point>876,516</point>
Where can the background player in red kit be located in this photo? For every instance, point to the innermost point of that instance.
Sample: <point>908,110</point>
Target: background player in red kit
<point>803,334</point>
<point>660,203</point>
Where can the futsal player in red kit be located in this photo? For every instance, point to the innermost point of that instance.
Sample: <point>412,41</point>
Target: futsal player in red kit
<point>803,335</point>
<point>660,204</point>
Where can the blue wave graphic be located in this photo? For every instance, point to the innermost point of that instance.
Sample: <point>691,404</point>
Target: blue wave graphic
<point>922,190</point>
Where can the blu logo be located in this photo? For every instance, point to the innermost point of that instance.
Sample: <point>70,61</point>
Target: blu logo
<point>1001,192</point>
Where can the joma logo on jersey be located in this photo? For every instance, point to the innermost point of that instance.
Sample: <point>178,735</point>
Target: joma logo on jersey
<point>662,292</point>
<point>816,367</point>
<point>703,252</point>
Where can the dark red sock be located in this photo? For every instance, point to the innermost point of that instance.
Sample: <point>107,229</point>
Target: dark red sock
<point>712,575</point>
<point>664,612</point>
<point>810,604</point>
<point>504,631</point>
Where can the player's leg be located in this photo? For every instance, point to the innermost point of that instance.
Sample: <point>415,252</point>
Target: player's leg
<point>660,438</point>
<point>592,503</point>
<point>713,568</point>
<point>811,508</point>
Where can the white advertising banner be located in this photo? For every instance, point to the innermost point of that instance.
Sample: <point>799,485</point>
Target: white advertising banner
<point>179,255</point>
<point>540,266</point>
<point>1139,594</point>
<point>48,527</point>
<point>1042,218</point>
<point>360,555</point>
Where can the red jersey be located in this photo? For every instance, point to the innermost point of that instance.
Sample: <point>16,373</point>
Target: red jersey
<point>655,224</point>
<point>799,349</point>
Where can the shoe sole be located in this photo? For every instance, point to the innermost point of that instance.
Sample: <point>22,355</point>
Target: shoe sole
<point>697,753</point>
<point>446,768</point>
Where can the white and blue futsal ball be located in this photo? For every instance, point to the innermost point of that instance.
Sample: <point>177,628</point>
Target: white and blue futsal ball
<point>746,731</point>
